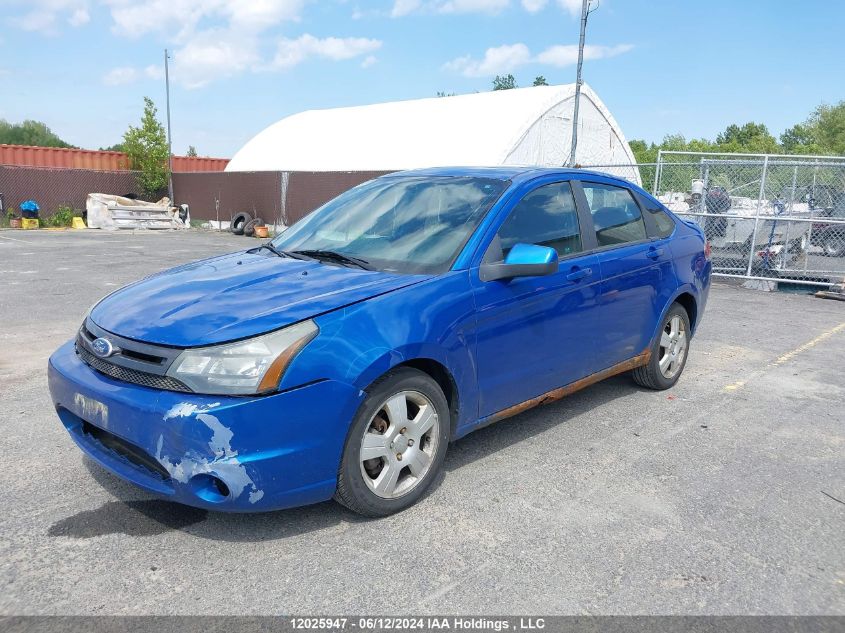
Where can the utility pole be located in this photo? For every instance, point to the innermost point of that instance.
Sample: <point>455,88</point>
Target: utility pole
<point>585,12</point>
<point>169,138</point>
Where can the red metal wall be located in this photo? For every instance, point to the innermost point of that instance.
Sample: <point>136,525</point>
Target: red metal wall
<point>63,158</point>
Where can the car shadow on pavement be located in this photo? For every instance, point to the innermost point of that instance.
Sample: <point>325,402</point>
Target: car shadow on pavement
<point>138,514</point>
<point>499,436</point>
<point>134,513</point>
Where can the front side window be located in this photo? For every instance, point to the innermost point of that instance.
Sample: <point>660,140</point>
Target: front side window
<point>546,216</point>
<point>412,224</point>
<point>616,215</point>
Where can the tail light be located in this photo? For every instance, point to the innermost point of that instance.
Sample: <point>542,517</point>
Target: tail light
<point>707,249</point>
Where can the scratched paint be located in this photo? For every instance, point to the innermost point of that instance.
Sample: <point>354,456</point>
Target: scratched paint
<point>184,409</point>
<point>90,409</point>
<point>224,463</point>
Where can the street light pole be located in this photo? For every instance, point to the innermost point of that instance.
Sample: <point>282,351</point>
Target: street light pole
<point>169,138</point>
<point>585,12</point>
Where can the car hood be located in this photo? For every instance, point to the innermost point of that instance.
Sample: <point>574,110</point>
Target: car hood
<point>235,296</point>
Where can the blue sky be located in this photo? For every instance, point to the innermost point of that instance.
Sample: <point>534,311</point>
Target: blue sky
<point>661,66</point>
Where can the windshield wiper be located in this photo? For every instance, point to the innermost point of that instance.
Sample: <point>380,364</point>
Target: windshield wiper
<point>269,246</point>
<point>334,256</point>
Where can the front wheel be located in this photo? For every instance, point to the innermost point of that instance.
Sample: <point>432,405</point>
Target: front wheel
<point>396,444</point>
<point>668,353</point>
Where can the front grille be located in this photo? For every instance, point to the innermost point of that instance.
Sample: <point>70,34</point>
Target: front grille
<point>134,376</point>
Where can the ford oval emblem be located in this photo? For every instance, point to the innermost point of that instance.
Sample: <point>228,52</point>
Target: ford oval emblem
<point>102,347</point>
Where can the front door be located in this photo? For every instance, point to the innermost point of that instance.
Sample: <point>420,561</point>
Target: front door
<point>535,334</point>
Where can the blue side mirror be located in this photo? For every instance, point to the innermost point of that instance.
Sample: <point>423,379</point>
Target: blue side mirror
<point>523,260</point>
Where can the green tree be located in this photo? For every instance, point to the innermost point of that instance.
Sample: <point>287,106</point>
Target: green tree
<point>822,133</point>
<point>751,137</point>
<point>539,80</point>
<point>192,152</point>
<point>146,147</point>
<point>643,152</point>
<point>504,82</point>
<point>29,133</point>
<point>117,147</point>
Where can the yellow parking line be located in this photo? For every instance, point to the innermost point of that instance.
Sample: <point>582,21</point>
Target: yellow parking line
<point>803,348</point>
<point>780,360</point>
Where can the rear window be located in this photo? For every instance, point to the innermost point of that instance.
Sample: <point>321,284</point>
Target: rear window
<point>663,222</point>
<point>616,215</point>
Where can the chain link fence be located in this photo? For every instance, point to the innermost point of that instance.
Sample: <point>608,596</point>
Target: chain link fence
<point>767,217</point>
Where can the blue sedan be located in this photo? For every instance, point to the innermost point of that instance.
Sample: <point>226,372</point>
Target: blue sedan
<point>340,359</point>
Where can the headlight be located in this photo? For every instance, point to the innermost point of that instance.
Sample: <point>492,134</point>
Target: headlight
<point>247,367</point>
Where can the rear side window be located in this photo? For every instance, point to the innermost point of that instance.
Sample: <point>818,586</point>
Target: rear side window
<point>663,222</point>
<point>545,216</point>
<point>616,215</point>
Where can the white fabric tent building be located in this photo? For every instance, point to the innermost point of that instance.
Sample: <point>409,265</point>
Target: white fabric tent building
<point>527,126</point>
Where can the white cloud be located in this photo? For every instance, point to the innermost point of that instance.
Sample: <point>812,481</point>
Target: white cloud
<point>567,54</point>
<point>216,39</point>
<point>500,59</point>
<point>532,6</point>
<point>183,18</point>
<point>79,17</point>
<point>213,54</point>
<point>120,76</point>
<point>47,15</point>
<point>369,61</point>
<point>154,72</point>
<point>471,6</point>
<point>291,52</point>
<point>504,59</point>
<point>572,6</point>
<point>406,7</point>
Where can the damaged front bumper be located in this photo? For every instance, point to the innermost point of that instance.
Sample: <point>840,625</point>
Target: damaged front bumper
<point>238,454</point>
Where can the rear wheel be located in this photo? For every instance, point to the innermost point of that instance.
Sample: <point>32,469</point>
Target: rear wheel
<point>668,353</point>
<point>396,445</point>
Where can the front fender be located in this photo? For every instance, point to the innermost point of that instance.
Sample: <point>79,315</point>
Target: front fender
<point>432,320</point>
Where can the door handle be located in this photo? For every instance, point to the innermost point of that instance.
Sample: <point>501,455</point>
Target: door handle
<point>577,274</point>
<point>654,253</point>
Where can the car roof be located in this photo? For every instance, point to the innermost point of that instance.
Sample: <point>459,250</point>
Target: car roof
<point>513,173</point>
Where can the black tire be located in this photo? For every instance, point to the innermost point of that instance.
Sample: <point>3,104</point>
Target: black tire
<point>239,221</point>
<point>650,375</point>
<point>249,227</point>
<point>352,490</point>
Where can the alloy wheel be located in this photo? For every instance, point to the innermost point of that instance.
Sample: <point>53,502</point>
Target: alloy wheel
<point>674,343</point>
<point>399,444</point>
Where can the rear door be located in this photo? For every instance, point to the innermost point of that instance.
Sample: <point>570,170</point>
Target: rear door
<point>636,269</point>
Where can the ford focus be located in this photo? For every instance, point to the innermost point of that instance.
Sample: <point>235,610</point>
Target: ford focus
<point>341,359</point>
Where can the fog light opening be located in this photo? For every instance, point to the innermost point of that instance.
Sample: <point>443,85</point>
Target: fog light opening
<point>210,488</point>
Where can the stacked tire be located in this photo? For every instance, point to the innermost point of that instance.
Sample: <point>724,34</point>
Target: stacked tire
<point>244,224</point>
<point>239,223</point>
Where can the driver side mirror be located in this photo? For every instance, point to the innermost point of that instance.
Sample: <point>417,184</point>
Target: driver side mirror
<point>523,260</point>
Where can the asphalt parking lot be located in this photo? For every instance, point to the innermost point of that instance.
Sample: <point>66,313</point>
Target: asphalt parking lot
<point>725,495</point>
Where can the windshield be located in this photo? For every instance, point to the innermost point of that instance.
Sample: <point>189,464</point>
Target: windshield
<point>398,224</point>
